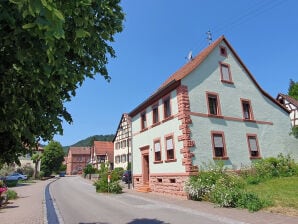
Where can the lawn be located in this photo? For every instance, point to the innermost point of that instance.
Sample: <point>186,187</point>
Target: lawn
<point>283,192</point>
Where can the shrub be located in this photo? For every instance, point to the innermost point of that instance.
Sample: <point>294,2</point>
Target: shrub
<point>251,201</point>
<point>11,183</point>
<point>227,190</point>
<point>199,187</point>
<point>224,189</point>
<point>119,171</point>
<point>102,184</point>
<point>41,174</point>
<point>11,195</point>
<point>282,166</point>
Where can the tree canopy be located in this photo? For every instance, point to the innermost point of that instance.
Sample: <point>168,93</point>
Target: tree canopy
<point>47,50</point>
<point>52,158</point>
<point>293,89</point>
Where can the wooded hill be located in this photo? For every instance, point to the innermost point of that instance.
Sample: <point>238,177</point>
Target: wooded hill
<point>89,141</point>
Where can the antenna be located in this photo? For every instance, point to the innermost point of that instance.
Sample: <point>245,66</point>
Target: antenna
<point>209,37</point>
<point>189,56</point>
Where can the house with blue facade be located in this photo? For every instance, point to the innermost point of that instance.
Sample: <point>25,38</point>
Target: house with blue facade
<point>210,109</point>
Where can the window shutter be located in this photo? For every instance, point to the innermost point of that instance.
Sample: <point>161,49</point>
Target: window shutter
<point>218,141</point>
<point>225,72</point>
<point>253,144</point>
<point>170,144</point>
<point>157,146</point>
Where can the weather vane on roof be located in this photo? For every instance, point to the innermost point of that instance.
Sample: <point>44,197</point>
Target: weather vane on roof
<point>209,37</point>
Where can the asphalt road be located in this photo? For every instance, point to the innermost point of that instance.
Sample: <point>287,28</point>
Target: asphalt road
<point>76,202</point>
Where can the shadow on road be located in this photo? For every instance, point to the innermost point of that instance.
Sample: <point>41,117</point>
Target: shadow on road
<point>146,221</point>
<point>135,221</point>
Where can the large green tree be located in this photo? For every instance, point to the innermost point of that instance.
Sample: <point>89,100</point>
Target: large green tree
<point>52,158</point>
<point>47,49</point>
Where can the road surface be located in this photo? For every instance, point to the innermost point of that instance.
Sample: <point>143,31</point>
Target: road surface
<point>77,202</point>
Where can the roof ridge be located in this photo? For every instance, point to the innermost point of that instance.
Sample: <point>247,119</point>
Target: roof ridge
<point>194,63</point>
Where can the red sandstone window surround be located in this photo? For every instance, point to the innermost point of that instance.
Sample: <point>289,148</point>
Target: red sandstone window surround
<point>218,145</point>
<point>253,146</point>
<point>247,109</point>
<point>157,151</point>
<point>167,107</point>
<point>225,73</point>
<point>213,104</point>
<point>155,115</point>
<point>143,120</point>
<point>170,148</point>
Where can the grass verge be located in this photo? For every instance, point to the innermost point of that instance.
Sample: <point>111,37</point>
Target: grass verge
<point>282,192</point>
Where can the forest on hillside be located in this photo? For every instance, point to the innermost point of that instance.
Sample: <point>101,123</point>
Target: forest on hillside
<point>89,141</point>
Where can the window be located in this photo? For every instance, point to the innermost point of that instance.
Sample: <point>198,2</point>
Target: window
<point>223,51</point>
<point>155,114</point>
<point>123,158</point>
<point>143,120</point>
<point>218,143</point>
<point>167,107</point>
<point>247,111</point>
<point>253,146</point>
<point>213,104</point>
<point>225,73</point>
<point>157,151</point>
<point>117,159</point>
<point>101,158</point>
<point>123,143</point>
<point>170,148</point>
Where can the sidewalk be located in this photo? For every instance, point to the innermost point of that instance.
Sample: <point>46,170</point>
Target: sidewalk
<point>28,208</point>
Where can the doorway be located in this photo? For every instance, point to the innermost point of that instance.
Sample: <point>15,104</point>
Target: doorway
<point>145,165</point>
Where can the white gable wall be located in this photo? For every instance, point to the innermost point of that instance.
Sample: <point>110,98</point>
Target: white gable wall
<point>272,139</point>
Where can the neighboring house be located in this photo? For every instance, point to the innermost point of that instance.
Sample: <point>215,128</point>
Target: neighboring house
<point>27,159</point>
<point>122,142</point>
<point>211,109</point>
<point>102,152</point>
<point>77,159</point>
<point>292,106</point>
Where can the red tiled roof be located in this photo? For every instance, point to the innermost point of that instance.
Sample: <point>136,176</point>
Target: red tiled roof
<point>102,147</point>
<point>79,150</point>
<point>190,66</point>
<point>185,70</point>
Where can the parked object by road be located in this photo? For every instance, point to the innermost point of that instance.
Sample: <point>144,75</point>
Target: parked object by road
<point>16,176</point>
<point>3,195</point>
<point>126,176</point>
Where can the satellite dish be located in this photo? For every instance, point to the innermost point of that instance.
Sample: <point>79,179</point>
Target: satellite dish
<point>189,56</point>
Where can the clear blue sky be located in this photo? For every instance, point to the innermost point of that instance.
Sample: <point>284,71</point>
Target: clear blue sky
<point>157,36</point>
